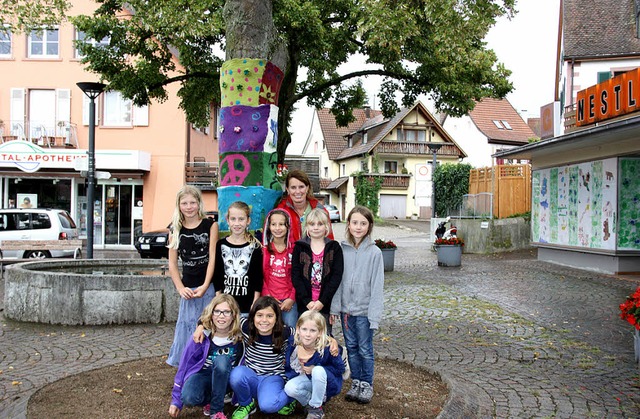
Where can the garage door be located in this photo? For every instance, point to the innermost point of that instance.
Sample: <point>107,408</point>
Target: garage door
<point>393,206</point>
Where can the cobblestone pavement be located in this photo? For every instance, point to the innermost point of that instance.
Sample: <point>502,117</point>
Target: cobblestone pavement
<point>511,336</point>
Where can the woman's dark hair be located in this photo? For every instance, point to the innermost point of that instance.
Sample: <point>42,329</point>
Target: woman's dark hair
<point>276,335</point>
<point>302,177</point>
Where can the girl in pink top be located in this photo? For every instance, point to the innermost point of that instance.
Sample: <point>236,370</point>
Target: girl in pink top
<point>276,264</point>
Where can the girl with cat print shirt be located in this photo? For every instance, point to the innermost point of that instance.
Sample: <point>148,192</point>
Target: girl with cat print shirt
<point>238,266</point>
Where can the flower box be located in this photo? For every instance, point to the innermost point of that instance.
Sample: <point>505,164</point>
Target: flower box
<point>449,254</point>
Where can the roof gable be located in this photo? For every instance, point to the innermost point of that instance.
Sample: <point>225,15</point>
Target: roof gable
<point>489,110</point>
<point>334,136</point>
<point>603,28</point>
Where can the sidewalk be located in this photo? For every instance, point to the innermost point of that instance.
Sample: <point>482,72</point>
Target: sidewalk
<point>511,336</point>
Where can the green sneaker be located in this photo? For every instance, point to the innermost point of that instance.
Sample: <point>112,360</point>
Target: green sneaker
<point>287,409</point>
<point>243,412</point>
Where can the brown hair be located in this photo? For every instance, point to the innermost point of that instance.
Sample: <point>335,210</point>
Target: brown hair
<point>242,206</point>
<point>262,303</point>
<point>302,177</point>
<point>366,213</point>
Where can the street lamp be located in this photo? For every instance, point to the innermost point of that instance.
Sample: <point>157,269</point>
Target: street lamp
<point>92,90</point>
<point>433,147</point>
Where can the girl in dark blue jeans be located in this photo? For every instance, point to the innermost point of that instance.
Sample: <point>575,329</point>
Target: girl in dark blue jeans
<point>203,375</point>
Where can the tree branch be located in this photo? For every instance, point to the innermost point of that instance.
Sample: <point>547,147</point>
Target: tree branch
<point>334,82</point>
<point>183,77</point>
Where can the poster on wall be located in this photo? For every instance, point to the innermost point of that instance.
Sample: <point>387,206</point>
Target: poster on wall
<point>27,200</point>
<point>629,192</point>
<point>575,205</point>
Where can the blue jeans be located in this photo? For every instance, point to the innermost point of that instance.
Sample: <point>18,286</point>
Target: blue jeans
<point>290,318</point>
<point>268,390</point>
<point>358,338</point>
<point>309,391</point>
<point>208,386</point>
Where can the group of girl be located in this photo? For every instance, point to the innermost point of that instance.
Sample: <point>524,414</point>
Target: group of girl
<point>265,336</point>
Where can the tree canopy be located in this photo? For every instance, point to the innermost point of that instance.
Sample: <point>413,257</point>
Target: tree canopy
<point>432,47</point>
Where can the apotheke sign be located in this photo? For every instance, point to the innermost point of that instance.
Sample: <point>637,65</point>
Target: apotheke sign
<point>30,158</point>
<point>609,99</point>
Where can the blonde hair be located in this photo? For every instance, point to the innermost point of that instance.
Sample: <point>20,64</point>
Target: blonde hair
<point>242,206</point>
<point>367,214</point>
<point>318,214</point>
<point>235,333</point>
<point>321,324</point>
<point>178,219</point>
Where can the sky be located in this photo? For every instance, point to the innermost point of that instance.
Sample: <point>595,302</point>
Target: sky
<point>526,44</point>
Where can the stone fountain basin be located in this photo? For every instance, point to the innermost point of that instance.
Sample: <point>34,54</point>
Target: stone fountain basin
<point>90,292</point>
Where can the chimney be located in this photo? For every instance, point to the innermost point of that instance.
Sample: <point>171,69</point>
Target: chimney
<point>367,111</point>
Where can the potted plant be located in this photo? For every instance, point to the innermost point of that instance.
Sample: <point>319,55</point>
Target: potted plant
<point>388,249</point>
<point>449,251</point>
<point>630,311</point>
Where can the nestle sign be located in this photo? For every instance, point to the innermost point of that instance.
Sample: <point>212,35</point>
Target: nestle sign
<point>609,99</point>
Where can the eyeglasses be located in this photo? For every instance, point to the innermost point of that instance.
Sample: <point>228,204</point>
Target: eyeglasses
<point>223,313</point>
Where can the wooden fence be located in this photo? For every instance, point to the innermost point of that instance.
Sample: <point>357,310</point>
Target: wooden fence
<point>509,184</point>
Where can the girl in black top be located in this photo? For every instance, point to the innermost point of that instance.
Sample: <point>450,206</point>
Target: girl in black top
<point>193,238</point>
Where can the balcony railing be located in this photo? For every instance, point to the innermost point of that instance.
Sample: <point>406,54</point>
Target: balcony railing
<point>204,175</point>
<point>61,135</point>
<point>570,119</point>
<point>389,180</point>
<point>403,147</point>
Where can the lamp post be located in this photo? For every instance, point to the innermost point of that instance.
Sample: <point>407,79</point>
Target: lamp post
<point>92,90</point>
<point>433,147</point>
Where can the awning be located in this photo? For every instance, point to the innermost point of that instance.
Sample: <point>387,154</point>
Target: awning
<point>335,184</point>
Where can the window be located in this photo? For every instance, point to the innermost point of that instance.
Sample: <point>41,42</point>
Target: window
<point>43,43</point>
<point>5,42</point>
<point>498,124</point>
<point>326,172</point>
<point>411,135</point>
<point>349,142</point>
<point>82,37</point>
<point>364,166</point>
<point>603,76</point>
<point>364,138</point>
<point>120,112</point>
<point>344,169</point>
<point>391,167</point>
<point>506,124</point>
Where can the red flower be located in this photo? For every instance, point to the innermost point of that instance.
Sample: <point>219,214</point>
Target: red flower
<point>457,241</point>
<point>630,309</point>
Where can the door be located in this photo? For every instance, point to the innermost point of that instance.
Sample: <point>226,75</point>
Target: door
<point>117,216</point>
<point>393,206</point>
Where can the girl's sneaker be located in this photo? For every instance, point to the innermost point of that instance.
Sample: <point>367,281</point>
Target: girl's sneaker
<point>243,412</point>
<point>354,392</point>
<point>315,412</point>
<point>219,415</point>
<point>288,409</point>
<point>205,410</point>
<point>366,393</point>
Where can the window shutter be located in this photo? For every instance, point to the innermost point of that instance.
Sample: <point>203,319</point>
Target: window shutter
<point>141,116</point>
<point>63,106</point>
<point>17,111</point>
<point>86,102</point>
<point>603,76</point>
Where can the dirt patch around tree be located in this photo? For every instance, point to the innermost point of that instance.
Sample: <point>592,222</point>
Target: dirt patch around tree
<point>142,389</point>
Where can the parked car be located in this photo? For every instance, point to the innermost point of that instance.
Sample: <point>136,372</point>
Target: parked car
<point>36,224</point>
<point>153,244</point>
<point>334,213</point>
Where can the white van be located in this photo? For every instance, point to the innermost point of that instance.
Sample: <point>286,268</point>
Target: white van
<point>36,224</point>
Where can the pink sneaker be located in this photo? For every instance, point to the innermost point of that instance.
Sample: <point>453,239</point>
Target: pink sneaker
<point>205,410</point>
<point>219,415</point>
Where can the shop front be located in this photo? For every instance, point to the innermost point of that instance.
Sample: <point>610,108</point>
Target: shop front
<point>32,176</point>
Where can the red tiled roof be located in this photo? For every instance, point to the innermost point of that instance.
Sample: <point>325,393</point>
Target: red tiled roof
<point>334,135</point>
<point>489,110</point>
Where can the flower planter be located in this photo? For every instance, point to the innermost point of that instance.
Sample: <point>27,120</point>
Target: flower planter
<point>388,257</point>
<point>449,255</point>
